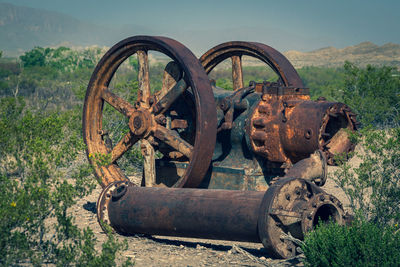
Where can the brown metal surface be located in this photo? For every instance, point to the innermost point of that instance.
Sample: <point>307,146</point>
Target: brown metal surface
<point>212,214</point>
<point>287,126</point>
<point>144,118</point>
<point>290,206</point>
<point>313,168</point>
<point>235,50</point>
<point>294,206</point>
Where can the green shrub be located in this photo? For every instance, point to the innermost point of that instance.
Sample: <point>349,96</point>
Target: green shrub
<point>36,151</point>
<point>373,187</point>
<point>361,244</point>
<point>373,93</point>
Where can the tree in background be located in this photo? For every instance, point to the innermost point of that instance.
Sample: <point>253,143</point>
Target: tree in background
<point>34,57</point>
<point>373,93</point>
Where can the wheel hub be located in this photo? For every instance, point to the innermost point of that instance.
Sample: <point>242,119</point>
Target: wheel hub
<point>140,122</point>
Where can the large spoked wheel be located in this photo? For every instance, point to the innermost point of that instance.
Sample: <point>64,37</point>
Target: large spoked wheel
<point>235,50</point>
<point>185,90</point>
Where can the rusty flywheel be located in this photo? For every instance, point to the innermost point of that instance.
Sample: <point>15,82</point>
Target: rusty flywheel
<point>236,49</point>
<point>184,83</point>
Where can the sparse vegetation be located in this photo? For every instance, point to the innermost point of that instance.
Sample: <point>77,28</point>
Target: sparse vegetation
<point>373,187</point>
<point>361,244</point>
<point>40,179</point>
<point>45,89</point>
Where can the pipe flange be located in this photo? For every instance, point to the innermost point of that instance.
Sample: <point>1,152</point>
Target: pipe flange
<point>281,210</point>
<point>113,191</point>
<point>322,207</point>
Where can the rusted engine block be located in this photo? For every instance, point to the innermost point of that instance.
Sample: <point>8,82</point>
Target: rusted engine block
<point>267,138</point>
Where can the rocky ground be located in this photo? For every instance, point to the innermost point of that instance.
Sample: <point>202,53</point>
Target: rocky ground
<point>172,251</point>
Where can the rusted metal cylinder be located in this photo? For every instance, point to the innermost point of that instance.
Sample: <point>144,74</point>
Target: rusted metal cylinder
<point>290,205</point>
<point>212,214</point>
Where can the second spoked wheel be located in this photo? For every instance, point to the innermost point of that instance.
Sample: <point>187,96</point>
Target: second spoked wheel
<point>177,123</point>
<point>235,50</point>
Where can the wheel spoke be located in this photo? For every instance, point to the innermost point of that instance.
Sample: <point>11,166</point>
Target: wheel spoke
<point>117,102</point>
<point>172,139</point>
<point>122,146</point>
<point>237,72</point>
<point>169,98</point>
<point>172,74</point>
<point>143,75</point>
<point>149,163</point>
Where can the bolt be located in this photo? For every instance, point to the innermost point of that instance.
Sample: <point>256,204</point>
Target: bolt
<point>151,100</point>
<point>308,134</point>
<point>322,198</point>
<point>298,192</point>
<point>137,123</point>
<point>288,196</point>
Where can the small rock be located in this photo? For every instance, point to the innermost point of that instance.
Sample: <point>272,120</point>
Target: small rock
<point>130,256</point>
<point>263,258</point>
<point>199,247</point>
<point>182,246</point>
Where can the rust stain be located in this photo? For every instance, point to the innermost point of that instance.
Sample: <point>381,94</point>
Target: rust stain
<point>294,127</point>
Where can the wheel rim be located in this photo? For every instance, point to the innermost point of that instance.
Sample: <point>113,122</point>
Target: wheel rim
<point>98,93</point>
<point>235,50</point>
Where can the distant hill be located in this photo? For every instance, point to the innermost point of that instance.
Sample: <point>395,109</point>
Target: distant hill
<point>361,54</point>
<point>22,28</point>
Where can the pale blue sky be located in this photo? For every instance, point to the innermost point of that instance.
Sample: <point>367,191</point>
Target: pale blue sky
<point>285,24</point>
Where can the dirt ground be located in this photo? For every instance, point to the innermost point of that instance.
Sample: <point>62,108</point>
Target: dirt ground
<point>171,251</point>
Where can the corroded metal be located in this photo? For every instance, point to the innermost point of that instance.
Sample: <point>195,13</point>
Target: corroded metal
<point>287,126</point>
<point>278,62</point>
<point>313,168</point>
<point>266,128</point>
<point>146,121</point>
<point>290,206</point>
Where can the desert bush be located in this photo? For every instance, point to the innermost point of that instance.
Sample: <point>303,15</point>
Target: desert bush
<point>373,187</point>
<point>361,244</point>
<point>373,93</point>
<point>36,151</point>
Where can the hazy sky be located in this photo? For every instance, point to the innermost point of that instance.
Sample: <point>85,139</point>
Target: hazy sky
<point>302,25</point>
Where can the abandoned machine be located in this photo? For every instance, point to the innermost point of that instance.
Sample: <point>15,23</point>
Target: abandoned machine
<point>245,164</point>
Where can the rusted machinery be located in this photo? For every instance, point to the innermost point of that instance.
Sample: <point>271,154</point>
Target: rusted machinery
<point>290,206</point>
<point>264,136</point>
<point>209,137</point>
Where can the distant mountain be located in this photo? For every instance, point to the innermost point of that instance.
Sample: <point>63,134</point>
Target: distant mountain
<point>22,28</point>
<point>361,54</point>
